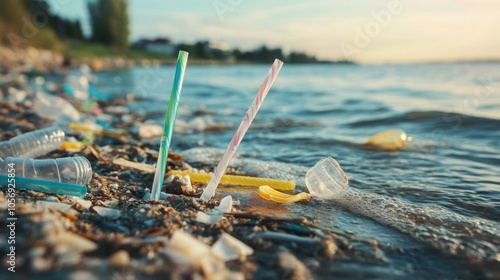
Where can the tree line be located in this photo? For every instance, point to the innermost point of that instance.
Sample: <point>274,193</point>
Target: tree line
<point>109,23</point>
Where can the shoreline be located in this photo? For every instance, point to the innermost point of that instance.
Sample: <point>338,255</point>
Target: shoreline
<point>137,242</point>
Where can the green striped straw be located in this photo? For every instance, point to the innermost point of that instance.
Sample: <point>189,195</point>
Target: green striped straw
<point>169,125</point>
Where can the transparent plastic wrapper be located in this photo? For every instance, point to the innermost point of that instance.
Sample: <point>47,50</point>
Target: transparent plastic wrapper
<point>70,170</point>
<point>33,144</point>
<point>53,107</point>
<point>326,179</point>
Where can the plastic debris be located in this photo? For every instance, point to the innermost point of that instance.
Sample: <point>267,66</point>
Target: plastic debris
<point>46,186</point>
<point>391,139</point>
<point>209,191</point>
<point>228,248</point>
<point>96,129</point>
<point>326,179</point>
<point>168,128</point>
<point>185,249</point>
<point>55,108</point>
<point>213,217</point>
<point>238,180</point>
<point>136,165</point>
<point>107,212</point>
<point>70,170</point>
<point>33,144</point>
<point>146,130</point>
<point>71,146</point>
<point>268,193</point>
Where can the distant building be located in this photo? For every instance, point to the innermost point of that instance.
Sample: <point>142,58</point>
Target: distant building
<point>210,46</point>
<point>158,45</point>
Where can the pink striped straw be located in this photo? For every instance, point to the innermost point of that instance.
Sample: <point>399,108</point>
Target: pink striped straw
<point>209,191</point>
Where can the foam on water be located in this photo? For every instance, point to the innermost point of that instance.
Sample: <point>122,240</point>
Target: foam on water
<point>474,239</point>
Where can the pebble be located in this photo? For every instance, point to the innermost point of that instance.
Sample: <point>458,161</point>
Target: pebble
<point>292,268</point>
<point>41,264</point>
<point>119,259</point>
<point>79,275</point>
<point>84,203</point>
<point>228,248</point>
<point>50,199</point>
<point>107,212</point>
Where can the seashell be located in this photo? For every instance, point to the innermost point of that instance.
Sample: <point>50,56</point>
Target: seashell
<point>74,242</point>
<point>63,207</point>
<point>187,246</point>
<point>228,248</point>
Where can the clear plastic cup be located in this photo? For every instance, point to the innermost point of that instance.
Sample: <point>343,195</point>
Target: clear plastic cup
<point>326,179</point>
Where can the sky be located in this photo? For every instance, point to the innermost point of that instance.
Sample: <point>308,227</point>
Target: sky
<point>366,31</point>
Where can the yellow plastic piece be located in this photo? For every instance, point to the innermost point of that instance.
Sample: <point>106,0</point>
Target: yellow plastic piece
<point>114,133</point>
<point>269,193</point>
<point>238,180</point>
<point>391,139</point>
<point>82,128</point>
<point>95,130</point>
<point>71,145</point>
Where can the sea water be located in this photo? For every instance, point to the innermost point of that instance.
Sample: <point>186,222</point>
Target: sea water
<point>438,200</point>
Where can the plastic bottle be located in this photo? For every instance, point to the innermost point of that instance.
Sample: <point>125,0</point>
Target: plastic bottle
<point>33,144</point>
<point>70,170</point>
<point>326,179</point>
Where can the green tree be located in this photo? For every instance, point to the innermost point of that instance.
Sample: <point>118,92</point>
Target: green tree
<point>110,22</point>
<point>19,28</point>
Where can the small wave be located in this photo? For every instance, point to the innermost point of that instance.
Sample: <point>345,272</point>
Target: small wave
<point>434,118</point>
<point>283,123</point>
<point>201,124</point>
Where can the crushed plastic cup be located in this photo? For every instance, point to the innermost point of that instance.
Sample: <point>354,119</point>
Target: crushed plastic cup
<point>326,179</point>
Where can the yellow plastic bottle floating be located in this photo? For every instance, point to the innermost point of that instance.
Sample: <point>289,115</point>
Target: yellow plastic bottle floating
<point>391,139</point>
<point>269,193</point>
